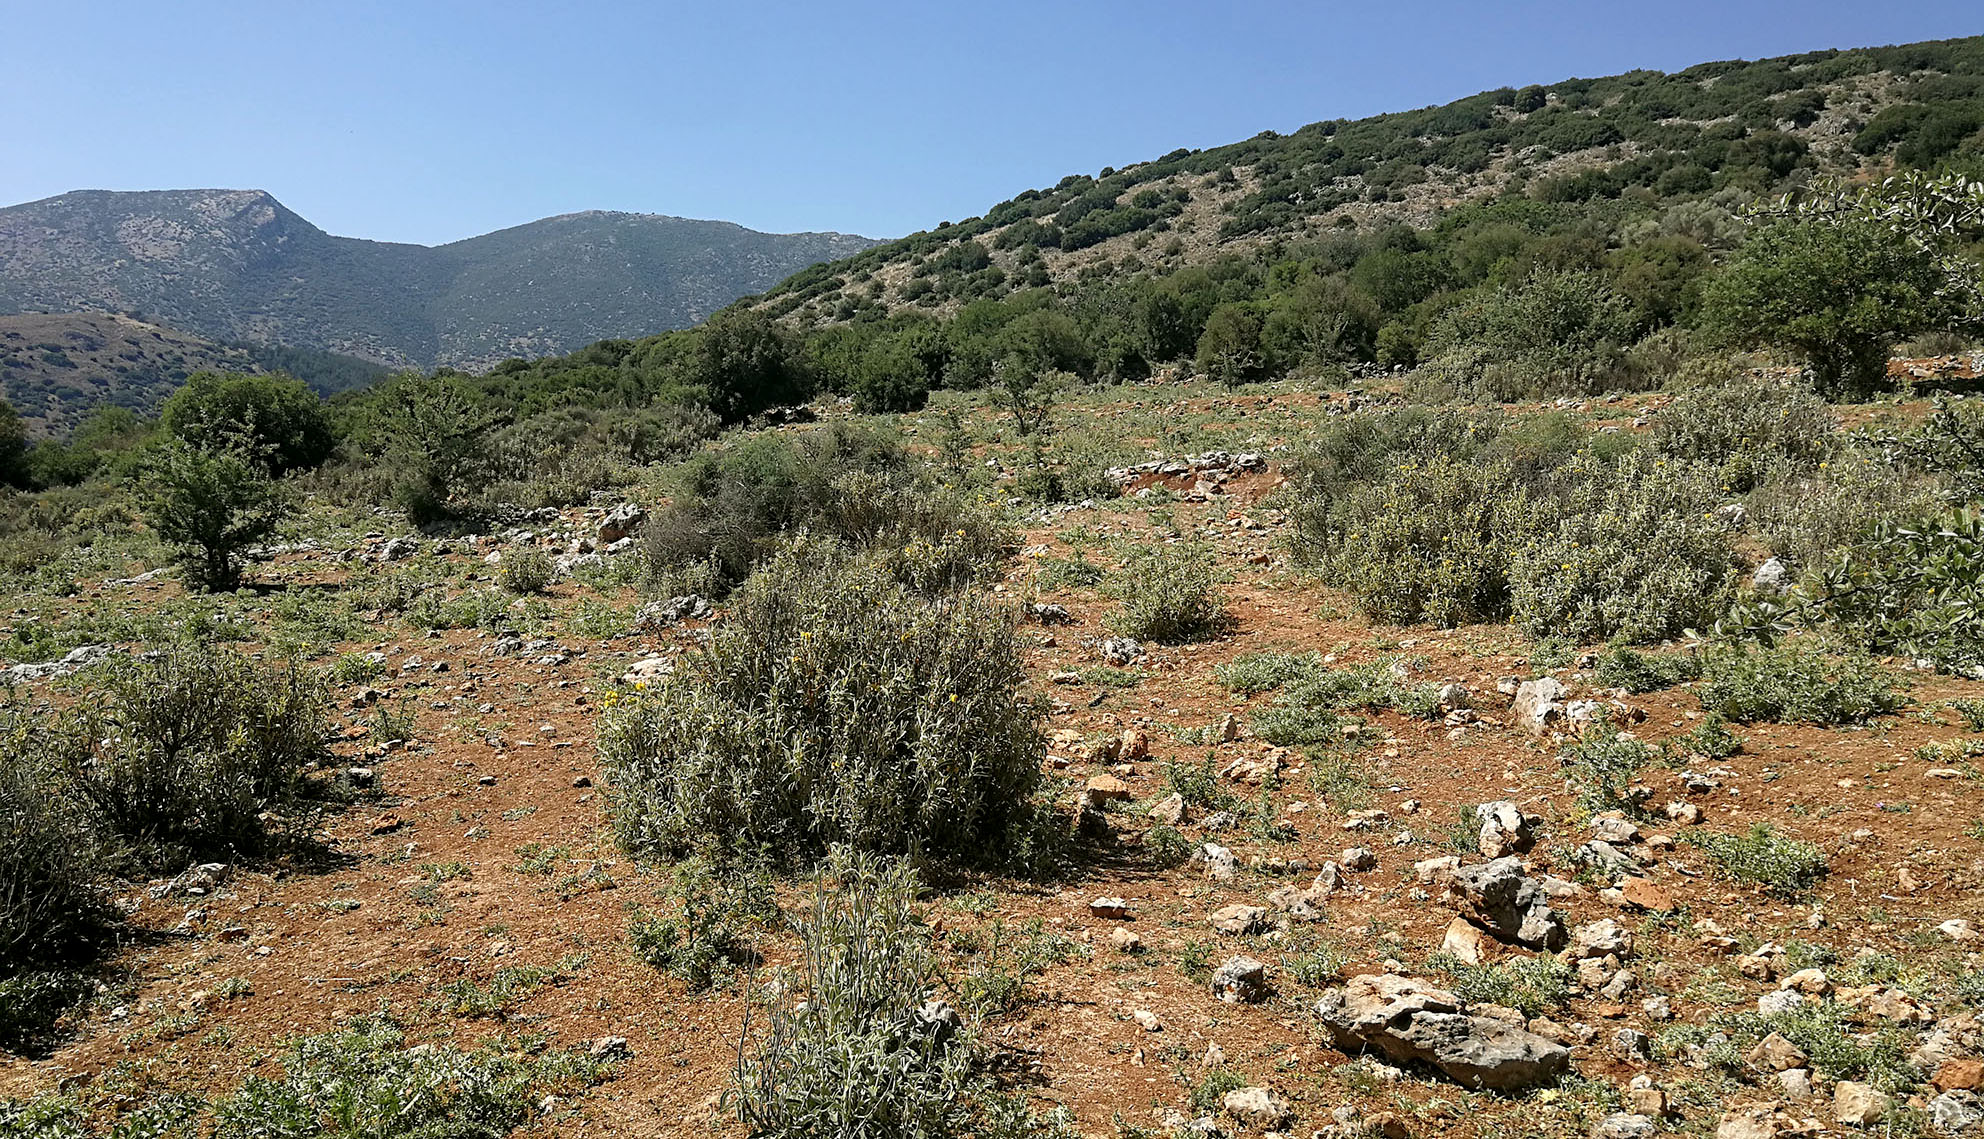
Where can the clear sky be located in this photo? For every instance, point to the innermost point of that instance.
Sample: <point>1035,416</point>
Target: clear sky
<point>428,121</point>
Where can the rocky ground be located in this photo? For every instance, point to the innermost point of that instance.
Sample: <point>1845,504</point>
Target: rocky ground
<point>1417,932</point>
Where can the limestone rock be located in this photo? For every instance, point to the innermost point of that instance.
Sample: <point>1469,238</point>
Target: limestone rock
<point>1239,920</point>
<point>1411,1021</point>
<point>1496,896</point>
<point>1258,1108</point>
<point>1857,1104</point>
<point>1505,830</point>
<point>1240,980</point>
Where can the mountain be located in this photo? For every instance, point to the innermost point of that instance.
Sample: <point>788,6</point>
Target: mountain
<point>54,367</point>
<point>1717,133</point>
<point>237,265</point>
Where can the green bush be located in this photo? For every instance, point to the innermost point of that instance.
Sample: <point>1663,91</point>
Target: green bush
<point>1763,857</point>
<point>1642,672</point>
<point>526,571</point>
<point>52,873</point>
<point>1602,765</point>
<point>1747,430</point>
<point>1532,986</point>
<point>1636,553</point>
<point>211,504</point>
<point>1795,682</point>
<point>853,1044</point>
<point>191,755</point>
<point>833,706</point>
<point>1167,592</point>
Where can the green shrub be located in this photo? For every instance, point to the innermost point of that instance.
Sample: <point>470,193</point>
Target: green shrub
<point>833,706</point>
<point>1811,518</point>
<point>849,1045</point>
<point>1911,590</point>
<point>1167,592</point>
<point>280,418</point>
<point>365,1083</point>
<point>526,571</point>
<point>34,1001</point>
<point>1426,542</point>
<point>1256,673</point>
<point>1642,672</point>
<point>855,484</point>
<point>1786,866</point>
<point>52,872</point>
<point>713,910</point>
<point>1711,739</point>
<point>191,755</point>
<point>1636,553</point>
<point>1795,682</point>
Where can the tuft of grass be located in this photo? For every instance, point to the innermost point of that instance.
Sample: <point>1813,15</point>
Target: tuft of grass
<point>1168,593</point>
<point>1646,672</point>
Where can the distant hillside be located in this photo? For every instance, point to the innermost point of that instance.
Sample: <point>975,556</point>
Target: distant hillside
<point>236,265</point>
<point>1621,145</point>
<point>54,368</point>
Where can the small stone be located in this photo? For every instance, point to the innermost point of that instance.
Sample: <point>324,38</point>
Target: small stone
<point>1956,929</point>
<point>1811,982</point>
<point>1109,907</point>
<point>1147,1020</point>
<point>1169,810</point>
<point>1358,859</point>
<point>1775,1053</point>
<point>1959,1075</point>
<point>1125,940</point>
<point>1106,787</point>
<point>1796,1084</point>
<point>1783,1000</point>
<point>1643,894</point>
<point>1624,1125</point>
<point>1221,865</point>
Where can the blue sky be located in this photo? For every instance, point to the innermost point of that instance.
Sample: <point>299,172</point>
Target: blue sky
<point>431,121</point>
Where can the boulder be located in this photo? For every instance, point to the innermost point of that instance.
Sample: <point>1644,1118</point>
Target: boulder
<point>1221,864</point>
<point>619,523</point>
<point>1497,897</point>
<point>1409,1020</point>
<point>1771,577</point>
<point>1624,1125</point>
<point>1604,938</point>
<point>1775,1053</point>
<point>1468,943</point>
<point>1956,1113</point>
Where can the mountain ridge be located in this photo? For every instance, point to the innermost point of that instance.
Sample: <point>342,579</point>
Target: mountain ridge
<point>238,265</point>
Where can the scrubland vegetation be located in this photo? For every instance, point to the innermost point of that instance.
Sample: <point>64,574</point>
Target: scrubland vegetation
<point>1047,741</point>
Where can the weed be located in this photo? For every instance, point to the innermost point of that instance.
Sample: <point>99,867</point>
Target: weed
<point>1530,985</point>
<point>1643,672</point>
<point>1795,683</point>
<point>712,913</point>
<point>1786,866</point>
<point>526,571</point>
<point>1168,593</point>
